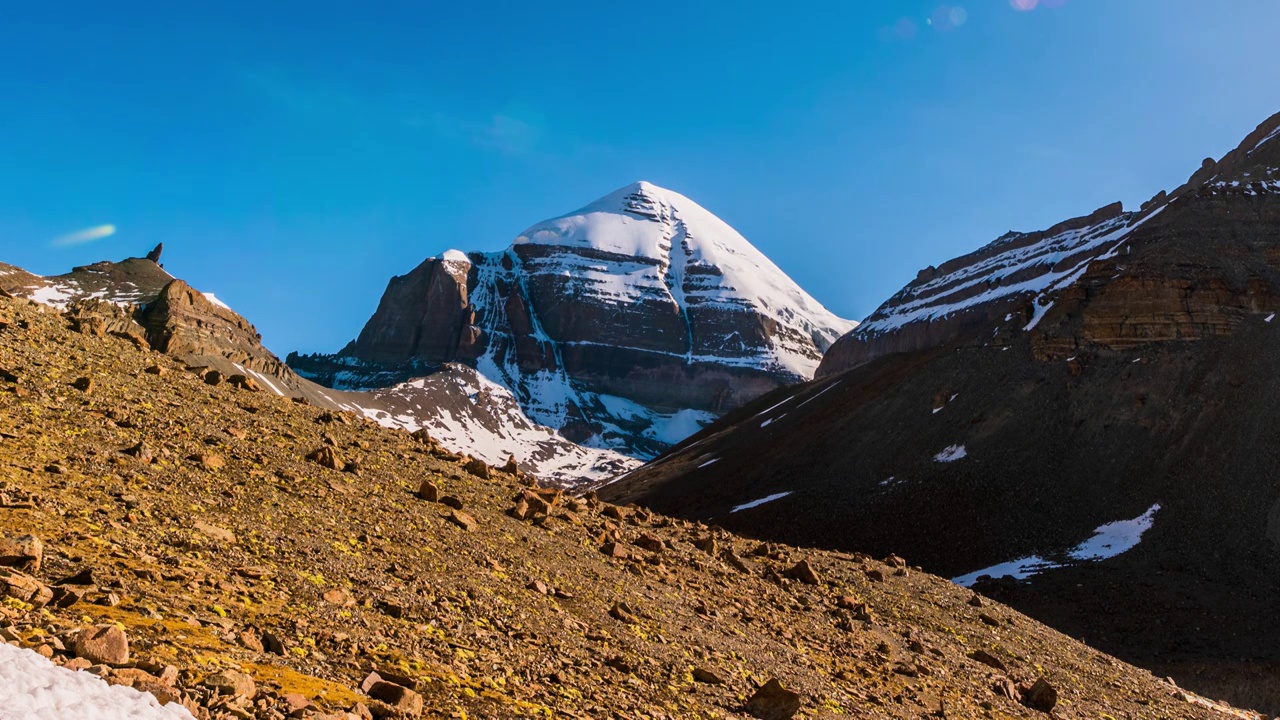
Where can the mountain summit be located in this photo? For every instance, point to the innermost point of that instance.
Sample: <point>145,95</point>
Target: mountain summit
<point>628,324</point>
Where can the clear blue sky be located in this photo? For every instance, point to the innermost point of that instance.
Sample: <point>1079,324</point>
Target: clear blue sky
<point>293,156</point>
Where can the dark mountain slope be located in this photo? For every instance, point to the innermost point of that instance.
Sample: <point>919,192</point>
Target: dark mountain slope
<point>1144,376</point>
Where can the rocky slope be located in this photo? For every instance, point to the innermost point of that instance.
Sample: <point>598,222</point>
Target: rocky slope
<point>626,324</point>
<point>1085,411</point>
<point>250,557</point>
<point>138,300</point>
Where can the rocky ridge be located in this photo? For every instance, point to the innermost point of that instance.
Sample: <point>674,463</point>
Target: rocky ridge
<point>251,557</point>
<point>138,300</point>
<point>1008,286</point>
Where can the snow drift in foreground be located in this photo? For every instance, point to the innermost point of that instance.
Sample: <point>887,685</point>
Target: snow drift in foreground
<point>32,688</point>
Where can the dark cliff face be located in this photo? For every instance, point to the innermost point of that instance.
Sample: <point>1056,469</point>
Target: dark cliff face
<point>604,323</point>
<point>1014,404</point>
<point>421,316</point>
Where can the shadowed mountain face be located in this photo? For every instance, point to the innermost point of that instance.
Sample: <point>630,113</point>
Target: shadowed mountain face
<point>627,324</point>
<point>1089,410</point>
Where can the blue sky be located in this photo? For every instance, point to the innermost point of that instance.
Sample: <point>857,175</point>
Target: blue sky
<point>293,156</point>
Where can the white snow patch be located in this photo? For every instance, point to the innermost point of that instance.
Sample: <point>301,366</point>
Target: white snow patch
<point>53,295</point>
<point>761,501</point>
<point>453,256</point>
<point>32,688</point>
<point>1116,537</point>
<point>712,461</point>
<point>1269,318</point>
<point>951,454</point>
<point>214,299</point>
<point>1108,541</point>
<point>1038,315</point>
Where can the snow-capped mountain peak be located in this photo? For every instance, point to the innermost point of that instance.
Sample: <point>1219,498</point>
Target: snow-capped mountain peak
<point>626,324</point>
<point>688,256</point>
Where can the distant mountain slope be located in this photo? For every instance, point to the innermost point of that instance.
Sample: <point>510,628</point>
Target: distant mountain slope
<point>460,409</point>
<point>626,324</point>
<point>1090,409</point>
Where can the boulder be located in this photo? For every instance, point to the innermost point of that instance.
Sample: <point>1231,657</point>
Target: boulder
<point>773,702</point>
<point>103,645</point>
<point>24,552</point>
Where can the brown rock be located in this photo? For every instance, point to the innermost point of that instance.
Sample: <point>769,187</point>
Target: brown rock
<point>614,550</point>
<point>451,501</point>
<point>704,675</point>
<point>624,613</point>
<point>210,461</point>
<point>230,682</point>
<point>369,681</point>
<point>244,382</point>
<point>166,694</point>
<point>521,511</point>
<point>805,573</point>
<point>213,377</point>
<point>894,561</point>
<point>294,704</point>
<point>25,553</point>
<point>706,544</point>
<point>988,659</point>
<point>142,452</point>
<point>773,702</point>
<point>103,645</point>
<point>21,586</point>
<point>251,640</point>
<point>539,587</point>
<point>512,467</point>
<point>403,700</point>
<point>155,370</point>
<point>428,491</point>
<point>462,520</point>
<point>477,467</point>
<point>217,533</point>
<point>326,457</point>
<point>650,543</point>
<point>338,596</point>
<point>1041,696</point>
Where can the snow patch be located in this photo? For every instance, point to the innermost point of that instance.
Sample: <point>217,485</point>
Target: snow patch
<point>761,501</point>
<point>951,454</point>
<point>453,256</point>
<point>1038,315</point>
<point>712,461</point>
<point>214,299</point>
<point>32,688</point>
<point>1108,541</point>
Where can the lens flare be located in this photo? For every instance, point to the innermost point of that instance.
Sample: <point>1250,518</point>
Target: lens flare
<point>86,235</point>
<point>1023,5</point>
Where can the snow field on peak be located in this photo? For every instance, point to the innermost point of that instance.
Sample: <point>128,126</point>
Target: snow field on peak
<point>700,260</point>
